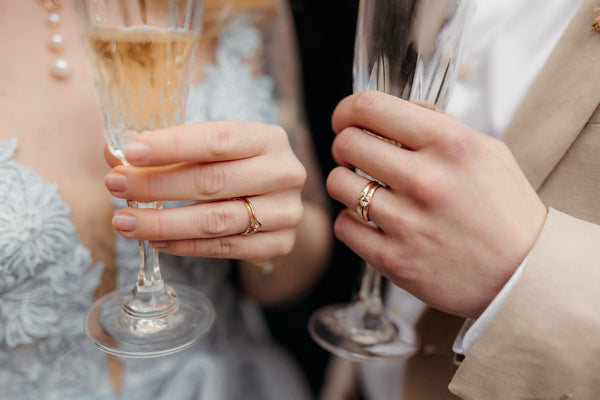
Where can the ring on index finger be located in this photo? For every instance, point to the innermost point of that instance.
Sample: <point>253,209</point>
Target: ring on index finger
<point>364,200</point>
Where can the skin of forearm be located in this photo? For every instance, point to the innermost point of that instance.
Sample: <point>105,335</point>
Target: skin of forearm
<point>295,273</point>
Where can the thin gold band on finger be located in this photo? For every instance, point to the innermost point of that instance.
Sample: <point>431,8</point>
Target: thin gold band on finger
<point>388,140</point>
<point>364,200</point>
<point>428,105</point>
<point>254,224</point>
<point>423,104</point>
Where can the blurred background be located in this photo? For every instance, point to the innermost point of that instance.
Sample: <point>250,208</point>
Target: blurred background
<point>325,32</point>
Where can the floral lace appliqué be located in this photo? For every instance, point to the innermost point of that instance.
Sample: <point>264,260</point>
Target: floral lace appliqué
<point>230,90</point>
<point>45,276</point>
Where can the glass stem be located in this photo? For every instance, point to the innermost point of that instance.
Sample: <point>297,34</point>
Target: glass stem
<point>369,293</point>
<point>149,277</point>
<point>374,320</point>
<point>150,295</point>
<point>149,273</point>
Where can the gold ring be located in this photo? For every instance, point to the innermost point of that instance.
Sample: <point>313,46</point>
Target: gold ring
<point>427,105</point>
<point>383,138</point>
<point>254,224</point>
<point>362,206</point>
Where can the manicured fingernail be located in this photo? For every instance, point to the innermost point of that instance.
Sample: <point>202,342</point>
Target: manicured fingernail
<point>159,244</point>
<point>124,222</point>
<point>115,182</point>
<point>136,152</point>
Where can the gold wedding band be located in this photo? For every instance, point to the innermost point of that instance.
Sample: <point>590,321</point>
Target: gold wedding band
<point>423,104</point>
<point>382,138</point>
<point>428,105</point>
<point>364,200</point>
<point>254,224</point>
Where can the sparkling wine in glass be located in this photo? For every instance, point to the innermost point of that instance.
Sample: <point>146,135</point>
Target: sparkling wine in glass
<point>410,49</point>
<point>141,53</point>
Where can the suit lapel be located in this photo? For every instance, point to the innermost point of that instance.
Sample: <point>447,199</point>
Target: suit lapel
<point>560,101</point>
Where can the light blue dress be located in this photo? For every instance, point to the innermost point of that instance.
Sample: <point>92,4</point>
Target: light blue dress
<point>48,279</point>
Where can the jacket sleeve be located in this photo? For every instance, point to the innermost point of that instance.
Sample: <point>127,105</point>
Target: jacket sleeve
<point>544,342</point>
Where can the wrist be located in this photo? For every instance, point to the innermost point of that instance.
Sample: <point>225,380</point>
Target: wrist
<point>474,327</point>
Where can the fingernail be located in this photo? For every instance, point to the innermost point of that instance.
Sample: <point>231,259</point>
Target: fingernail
<point>136,152</point>
<point>124,222</point>
<point>115,182</point>
<point>159,244</point>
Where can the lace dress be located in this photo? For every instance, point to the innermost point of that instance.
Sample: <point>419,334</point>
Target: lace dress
<point>48,279</point>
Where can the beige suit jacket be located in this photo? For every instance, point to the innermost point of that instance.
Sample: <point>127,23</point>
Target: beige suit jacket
<point>544,343</point>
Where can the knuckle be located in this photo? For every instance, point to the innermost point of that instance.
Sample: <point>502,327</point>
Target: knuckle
<point>499,147</point>
<point>295,176</point>
<point>153,187</point>
<point>220,143</point>
<point>344,142</point>
<point>220,246</point>
<point>294,214</point>
<point>455,138</point>
<point>179,144</point>
<point>365,101</point>
<point>209,181</point>
<point>462,147</point>
<point>462,143</point>
<point>159,227</point>
<point>215,222</point>
<point>291,170</point>
<point>379,258</point>
<point>335,179</point>
<point>279,134</point>
<point>216,247</point>
<point>339,229</point>
<point>297,216</point>
<point>430,187</point>
<point>343,228</point>
<point>454,141</point>
<point>285,244</point>
<point>399,221</point>
<point>188,248</point>
<point>394,262</point>
<point>276,140</point>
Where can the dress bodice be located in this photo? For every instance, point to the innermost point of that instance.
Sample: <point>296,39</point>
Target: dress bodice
<point>47,283</point>
<point>48,278</point>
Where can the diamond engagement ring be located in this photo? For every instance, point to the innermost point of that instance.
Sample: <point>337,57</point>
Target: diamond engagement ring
<point>362,206</point>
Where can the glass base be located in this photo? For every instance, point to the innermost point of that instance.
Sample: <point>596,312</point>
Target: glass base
<point>350,331</point>
<point>110,328</point>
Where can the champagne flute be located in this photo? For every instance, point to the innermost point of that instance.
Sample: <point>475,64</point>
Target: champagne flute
<point>141,53</point>
<point>410,49</point>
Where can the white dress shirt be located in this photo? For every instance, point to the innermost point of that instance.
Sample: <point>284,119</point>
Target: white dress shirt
<point>508,43</point>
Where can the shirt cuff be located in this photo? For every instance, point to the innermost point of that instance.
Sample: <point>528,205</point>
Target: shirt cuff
<point>473,328</point>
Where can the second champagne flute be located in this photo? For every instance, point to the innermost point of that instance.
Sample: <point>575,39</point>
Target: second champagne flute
<point>410,49</point>
<point>141,54</point>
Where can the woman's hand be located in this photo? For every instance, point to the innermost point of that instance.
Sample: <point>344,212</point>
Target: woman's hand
<point>211,163</point>
<point>458,216</point>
